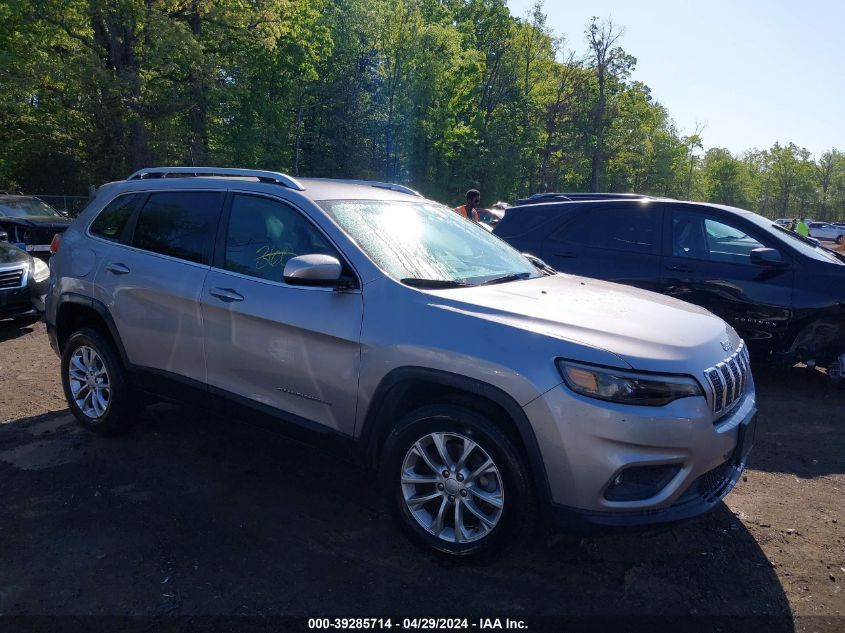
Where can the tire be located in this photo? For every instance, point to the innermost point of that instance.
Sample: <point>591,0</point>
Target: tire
<point>114,411</point>
<point>498,506</point>
<point>839,239</point>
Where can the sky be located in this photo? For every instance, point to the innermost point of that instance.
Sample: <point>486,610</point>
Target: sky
<point>752,72</point>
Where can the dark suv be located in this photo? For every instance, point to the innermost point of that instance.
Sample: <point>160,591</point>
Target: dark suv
<point>784,295</point>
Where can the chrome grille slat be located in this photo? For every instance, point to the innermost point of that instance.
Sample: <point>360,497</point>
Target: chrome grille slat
<point>729,379</point>
<point>737,377</point>
<point>11,278</point>
<point>727,374</point>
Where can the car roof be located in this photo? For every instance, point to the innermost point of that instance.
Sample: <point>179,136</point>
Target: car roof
<point>316,189</point>
<point>576,204</point>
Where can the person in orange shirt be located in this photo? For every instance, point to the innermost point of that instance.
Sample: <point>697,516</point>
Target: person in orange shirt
<point>470,209</point>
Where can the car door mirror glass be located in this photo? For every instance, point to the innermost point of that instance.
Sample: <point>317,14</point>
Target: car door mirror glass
<point>767,257</point>
<point>313,270</point>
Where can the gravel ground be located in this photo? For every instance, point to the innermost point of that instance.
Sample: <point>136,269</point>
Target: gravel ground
<point>194,515</point>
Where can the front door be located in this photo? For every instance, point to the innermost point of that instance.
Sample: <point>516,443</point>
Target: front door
<point>289,347</point>
<point>707,261</point>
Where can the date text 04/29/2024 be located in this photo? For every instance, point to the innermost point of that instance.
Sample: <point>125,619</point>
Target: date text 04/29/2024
<point>413,624</point>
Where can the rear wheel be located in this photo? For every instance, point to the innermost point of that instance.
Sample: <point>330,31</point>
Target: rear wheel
<point>839,239</point>
<point>457,483</point>
<point>95,384</point>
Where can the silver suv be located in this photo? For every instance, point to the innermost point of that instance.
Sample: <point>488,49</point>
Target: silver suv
<point>484,388</point>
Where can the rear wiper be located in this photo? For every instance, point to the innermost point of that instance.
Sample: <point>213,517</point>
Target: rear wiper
<point>506,278</point>
<point>433,283</point>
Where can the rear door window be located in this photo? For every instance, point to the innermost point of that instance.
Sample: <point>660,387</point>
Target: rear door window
<point>627,228</point>
<point>180,224</point>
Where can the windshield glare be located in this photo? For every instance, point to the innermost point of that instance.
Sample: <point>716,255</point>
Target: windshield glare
<point>794,240</point>
<point>425,240</point>
<point>23,207</point>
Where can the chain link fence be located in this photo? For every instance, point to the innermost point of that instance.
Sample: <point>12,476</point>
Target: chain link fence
<point>72,205</point>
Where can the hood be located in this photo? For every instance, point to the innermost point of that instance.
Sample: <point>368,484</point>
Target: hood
<point>649,331</point>
<point>12,254</point>
<point>39,221</point>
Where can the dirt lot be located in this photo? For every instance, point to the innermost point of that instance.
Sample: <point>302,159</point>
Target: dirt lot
<point>195,515</point>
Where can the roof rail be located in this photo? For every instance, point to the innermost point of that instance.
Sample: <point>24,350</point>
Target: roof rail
<point>578,196</point>
<point>263,176</point>
<point>372,183</point>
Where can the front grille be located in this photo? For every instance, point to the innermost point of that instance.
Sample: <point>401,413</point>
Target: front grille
<point>11,278</point>
<point>728,379</point>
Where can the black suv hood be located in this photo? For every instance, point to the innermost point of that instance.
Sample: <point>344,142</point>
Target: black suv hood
<point>37,221</point>
<point>11,254</point>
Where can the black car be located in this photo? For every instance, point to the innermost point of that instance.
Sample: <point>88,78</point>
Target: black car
<point>23,286</point>
<point>30,223</point>
<point>783,294</point>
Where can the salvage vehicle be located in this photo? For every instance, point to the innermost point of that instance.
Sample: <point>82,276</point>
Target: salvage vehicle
<point>30,223</point>
<point>23,286</point>
<point>784,294</point>
<point>827,232</point>
<point>481,387</point>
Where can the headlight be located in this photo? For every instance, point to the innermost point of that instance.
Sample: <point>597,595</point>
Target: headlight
<point>617,385</point>
<point>40,270</point>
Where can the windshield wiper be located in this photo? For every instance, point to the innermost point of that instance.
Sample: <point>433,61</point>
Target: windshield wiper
<point>433,283</point>
<point>506,278</point>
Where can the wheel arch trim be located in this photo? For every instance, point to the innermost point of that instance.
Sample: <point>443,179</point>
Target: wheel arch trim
<point>376,424</point>
<point>102,310</point>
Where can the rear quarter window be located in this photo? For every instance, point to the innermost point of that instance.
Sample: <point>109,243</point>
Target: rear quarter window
<point>112,220</point>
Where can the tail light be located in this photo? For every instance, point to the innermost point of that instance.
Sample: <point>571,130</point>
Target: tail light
<point>55,243</point>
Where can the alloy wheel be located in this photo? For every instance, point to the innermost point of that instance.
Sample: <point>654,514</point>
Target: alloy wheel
<point>89,382</point>
<point>452,487</point>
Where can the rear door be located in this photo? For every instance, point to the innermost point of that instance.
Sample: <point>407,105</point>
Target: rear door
<point>617,242</point>
<point>152,278</point>
<point>707,261</point>
<point>293,348</point>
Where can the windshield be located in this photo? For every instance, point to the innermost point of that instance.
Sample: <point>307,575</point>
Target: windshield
<point>802,245</point>
<point>23,207</point>
<point>413,241</point>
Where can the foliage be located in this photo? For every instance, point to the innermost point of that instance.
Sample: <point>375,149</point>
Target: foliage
<point>439,94</point>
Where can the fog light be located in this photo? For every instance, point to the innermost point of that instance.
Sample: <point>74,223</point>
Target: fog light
<point>640,482</point>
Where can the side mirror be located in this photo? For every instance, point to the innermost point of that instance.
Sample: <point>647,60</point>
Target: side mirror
<point>313,270</point>
<point>4,237</point>
<point>767,257</point>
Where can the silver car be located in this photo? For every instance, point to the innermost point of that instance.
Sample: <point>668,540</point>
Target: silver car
<point>826,231</point>
<point>483,388</point>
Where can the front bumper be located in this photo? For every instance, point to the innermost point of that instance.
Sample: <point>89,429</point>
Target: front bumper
<point>586,444</point>
<point>20,303</point>
<point>702,495</point>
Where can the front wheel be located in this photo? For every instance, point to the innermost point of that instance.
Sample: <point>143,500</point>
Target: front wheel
<point>95,384</point>
<point>457,483</point>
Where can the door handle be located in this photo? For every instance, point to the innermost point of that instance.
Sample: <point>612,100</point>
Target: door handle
<point>118,269</point>
<point>680,269</point>
<point>566,254</point>
<point>226,294</point>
